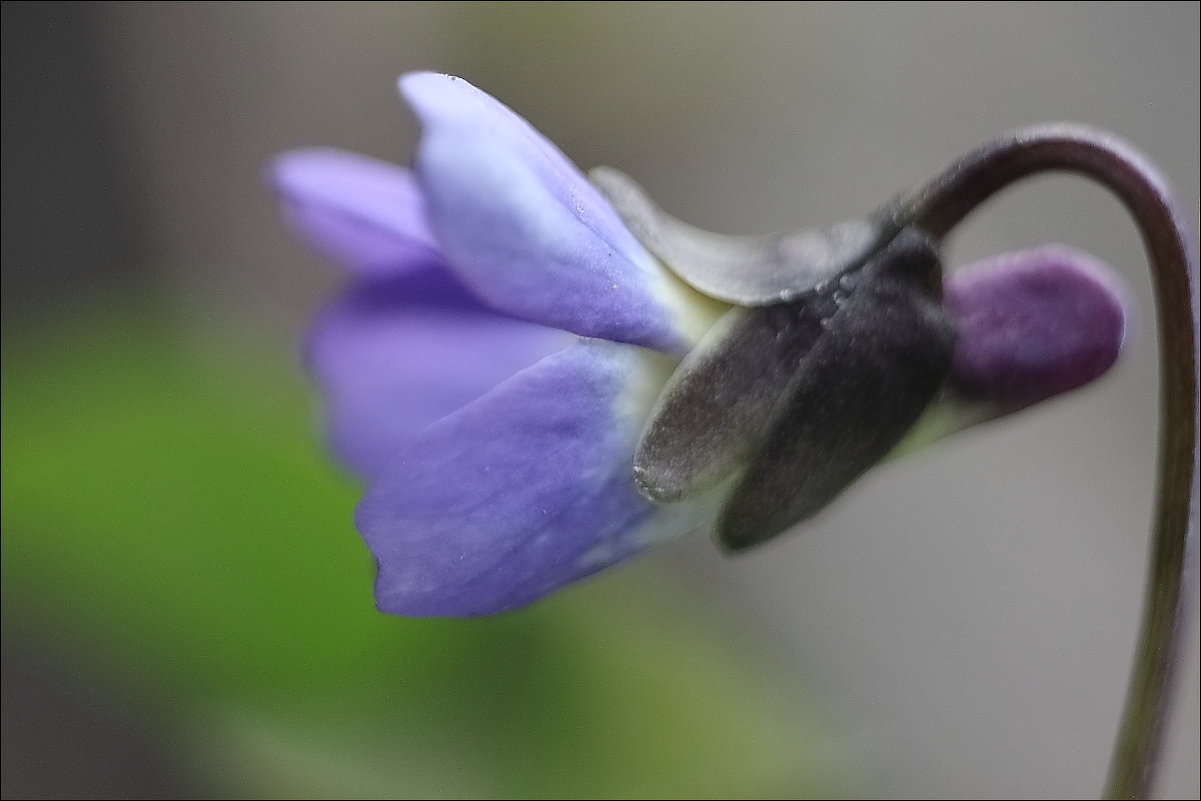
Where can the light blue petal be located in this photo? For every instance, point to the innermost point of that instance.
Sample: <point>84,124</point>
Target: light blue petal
<point>524,490</point>
<point>529,234</point>
<point>393,356</point>
<point>365,214</point>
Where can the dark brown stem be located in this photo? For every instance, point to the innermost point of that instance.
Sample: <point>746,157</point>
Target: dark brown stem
<point>943,203</point>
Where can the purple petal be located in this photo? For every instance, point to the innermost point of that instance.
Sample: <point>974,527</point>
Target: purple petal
<point>522,491</point>
<point>365,214</point>
<point>394,356</point>
<point>526,230</point>
<point>1033,325</point>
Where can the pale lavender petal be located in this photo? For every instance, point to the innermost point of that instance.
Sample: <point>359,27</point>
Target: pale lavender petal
<point>1033,325</point>
<point>526,489</point>
<point>365,214</point>
<point>393,356</point>
<point>529,233</point>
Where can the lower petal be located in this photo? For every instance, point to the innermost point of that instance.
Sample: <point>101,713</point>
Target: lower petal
<point>394,356</point>
<point>524,490</point>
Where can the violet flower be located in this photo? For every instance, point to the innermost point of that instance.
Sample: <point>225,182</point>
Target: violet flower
<point>506,337</point>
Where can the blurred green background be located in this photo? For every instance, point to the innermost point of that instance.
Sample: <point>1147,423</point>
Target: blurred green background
<point>186,606</point>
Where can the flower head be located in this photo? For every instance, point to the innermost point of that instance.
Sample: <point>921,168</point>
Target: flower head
<point>512,345</point>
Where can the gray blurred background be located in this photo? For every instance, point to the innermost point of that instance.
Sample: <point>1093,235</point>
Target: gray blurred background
<point>965,619</point>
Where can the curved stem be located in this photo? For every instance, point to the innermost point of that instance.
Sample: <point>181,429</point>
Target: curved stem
<point>944,202</point>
